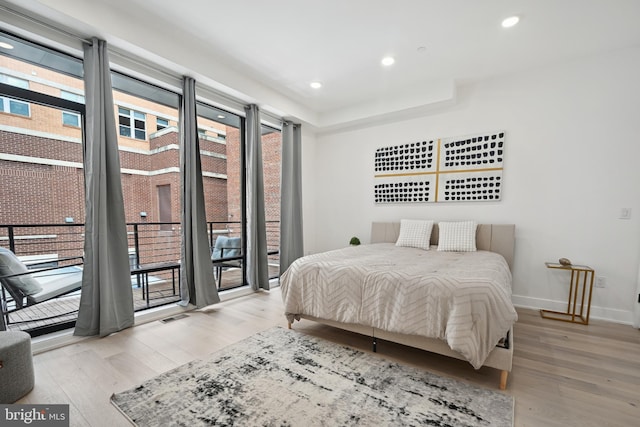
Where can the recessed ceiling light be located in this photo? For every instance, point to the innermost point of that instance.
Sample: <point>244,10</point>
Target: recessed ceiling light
<point>315,85</point>
<point>388,60</point>
<point>510,21</point>
<point>6,45</point>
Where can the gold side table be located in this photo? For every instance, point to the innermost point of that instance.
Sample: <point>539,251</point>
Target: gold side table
<point>580,274</point>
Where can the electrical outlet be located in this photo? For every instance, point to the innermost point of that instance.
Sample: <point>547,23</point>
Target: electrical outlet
<point>601,282</point>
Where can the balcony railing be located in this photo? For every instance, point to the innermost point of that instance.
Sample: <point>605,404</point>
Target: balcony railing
<point>154,255</point>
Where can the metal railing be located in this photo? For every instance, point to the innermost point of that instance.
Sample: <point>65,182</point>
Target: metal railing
<point>151,245</point>
<point>149,242</point>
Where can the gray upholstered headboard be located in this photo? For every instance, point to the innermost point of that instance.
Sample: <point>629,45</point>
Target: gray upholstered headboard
<point>499,238</point>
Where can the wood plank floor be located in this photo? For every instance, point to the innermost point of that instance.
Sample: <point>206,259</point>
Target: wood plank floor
<point>563,374</point>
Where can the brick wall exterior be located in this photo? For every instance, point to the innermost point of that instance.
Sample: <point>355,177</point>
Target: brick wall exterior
<point>47,194</point>
<point>34,193</point>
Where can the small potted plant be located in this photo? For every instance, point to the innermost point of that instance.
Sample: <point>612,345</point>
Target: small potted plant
<point>354,241</point>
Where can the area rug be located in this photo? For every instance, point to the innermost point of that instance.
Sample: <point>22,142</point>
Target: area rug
<point>282,377</point>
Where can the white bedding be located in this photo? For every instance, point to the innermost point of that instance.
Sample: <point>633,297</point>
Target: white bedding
<point>463,298</point>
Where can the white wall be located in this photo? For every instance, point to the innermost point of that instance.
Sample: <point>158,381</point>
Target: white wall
<point>572,161</point>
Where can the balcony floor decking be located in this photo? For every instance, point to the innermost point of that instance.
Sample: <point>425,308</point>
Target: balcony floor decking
<point>65,309</point>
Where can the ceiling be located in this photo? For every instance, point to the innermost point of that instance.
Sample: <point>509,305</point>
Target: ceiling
<point>269,51</point>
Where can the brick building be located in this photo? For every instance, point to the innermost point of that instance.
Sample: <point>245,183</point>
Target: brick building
<point>41,161</point>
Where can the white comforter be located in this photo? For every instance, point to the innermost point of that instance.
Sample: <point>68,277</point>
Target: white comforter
<point>463,298</point>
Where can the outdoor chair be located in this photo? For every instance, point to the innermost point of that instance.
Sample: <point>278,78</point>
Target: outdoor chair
<point>227,252</point>
<point>22,287</point>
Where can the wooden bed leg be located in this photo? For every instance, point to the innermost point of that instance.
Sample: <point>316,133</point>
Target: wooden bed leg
<point>503,379</point>
<point>288,325</point>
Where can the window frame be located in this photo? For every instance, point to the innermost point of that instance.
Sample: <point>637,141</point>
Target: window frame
<point>7,106</point>
<point>132,118</point>
<point>8,102</point>
<point>70,96</point>
<point>162,126</point>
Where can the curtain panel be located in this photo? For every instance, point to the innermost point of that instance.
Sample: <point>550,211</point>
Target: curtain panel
<point>106,300</point>
<point>291,239</point>
<point>257,262</point>
<point>196,269</point>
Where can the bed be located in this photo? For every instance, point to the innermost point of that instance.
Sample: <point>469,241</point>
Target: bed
<point>448,302</point>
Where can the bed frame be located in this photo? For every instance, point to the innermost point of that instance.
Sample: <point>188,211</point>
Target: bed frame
<point>499,238</point>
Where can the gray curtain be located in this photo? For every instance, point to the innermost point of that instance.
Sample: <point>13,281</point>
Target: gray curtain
<point>291,242</point>
<point>197,281</point>
<point>257,263</point>
<point>106,301</point>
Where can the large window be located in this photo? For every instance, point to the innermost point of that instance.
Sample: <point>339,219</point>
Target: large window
<point>150,185</point>
<point>271,164</point>
<point>221,153</point>
<point>41,175</point>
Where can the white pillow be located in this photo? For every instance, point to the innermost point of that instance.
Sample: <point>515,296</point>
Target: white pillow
<point>457,236</point>
<point>415,233</point>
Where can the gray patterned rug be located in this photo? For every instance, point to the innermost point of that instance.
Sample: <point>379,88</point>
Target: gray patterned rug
<point>281,377</point>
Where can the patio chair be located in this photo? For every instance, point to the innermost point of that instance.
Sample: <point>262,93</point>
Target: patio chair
<point>227,252</point>
<point>21,287</point>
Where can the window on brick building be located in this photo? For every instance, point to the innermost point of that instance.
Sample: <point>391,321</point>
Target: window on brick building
<point>132,123</point>
<point>161,123</point>
<point>14,106</point>
<point>14,81</point>
<point>70,118</point>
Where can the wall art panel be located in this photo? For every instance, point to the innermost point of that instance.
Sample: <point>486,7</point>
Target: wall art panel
<point>457,169</point>
<point>407,158</point>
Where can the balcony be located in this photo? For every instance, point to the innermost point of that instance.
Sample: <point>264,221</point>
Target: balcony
<point>154,254</point>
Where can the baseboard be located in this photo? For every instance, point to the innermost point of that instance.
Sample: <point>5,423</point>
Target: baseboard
<point>63,338</point>
<point>54,340</point>
<point>601,313</point>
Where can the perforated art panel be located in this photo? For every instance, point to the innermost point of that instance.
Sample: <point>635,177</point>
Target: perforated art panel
<point>412,157</point>
<point>472,152</point>
<point>458,169</point>
<point>409,189</point>
<point>465,187</point>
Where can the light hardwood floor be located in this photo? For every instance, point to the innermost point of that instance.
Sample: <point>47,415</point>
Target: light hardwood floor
<point>563,374</point>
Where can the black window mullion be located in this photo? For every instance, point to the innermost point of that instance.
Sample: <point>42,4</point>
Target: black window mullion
<point>243,194</point>
<point>27,95</point>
